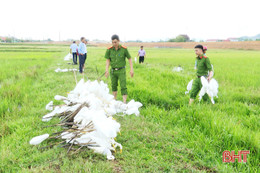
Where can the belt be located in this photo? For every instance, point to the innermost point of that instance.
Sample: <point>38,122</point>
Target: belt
<point>118,68</point>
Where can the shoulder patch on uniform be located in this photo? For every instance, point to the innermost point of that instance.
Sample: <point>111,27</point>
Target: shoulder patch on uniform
<point>110,47</point>
<point>123,46</point>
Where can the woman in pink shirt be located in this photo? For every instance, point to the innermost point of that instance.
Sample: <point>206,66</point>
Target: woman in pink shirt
<point>141,54</point>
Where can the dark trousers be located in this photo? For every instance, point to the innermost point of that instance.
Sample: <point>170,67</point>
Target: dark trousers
<point>74,54</point>
<point>141,59</point>
<point>82,59</point>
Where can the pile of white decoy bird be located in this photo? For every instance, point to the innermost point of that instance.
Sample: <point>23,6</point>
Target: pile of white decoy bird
<point>86,118</point>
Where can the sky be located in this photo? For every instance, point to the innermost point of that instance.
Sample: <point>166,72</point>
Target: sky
<point>146,20</point>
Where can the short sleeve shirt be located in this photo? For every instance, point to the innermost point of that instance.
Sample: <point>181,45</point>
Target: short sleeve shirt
<point>141,52</point>
<point>203,66</point>
<point>117,57</point>
<point>73,47</point>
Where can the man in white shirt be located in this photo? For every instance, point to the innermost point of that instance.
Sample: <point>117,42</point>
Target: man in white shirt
<point>82,50</point>
<point>73,50</point>
<point>141,54</point>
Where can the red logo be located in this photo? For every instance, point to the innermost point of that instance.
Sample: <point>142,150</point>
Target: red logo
<point>230,157</point>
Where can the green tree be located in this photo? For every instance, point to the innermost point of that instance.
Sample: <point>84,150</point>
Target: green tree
<point>172,40</point>
<point>180,38</point>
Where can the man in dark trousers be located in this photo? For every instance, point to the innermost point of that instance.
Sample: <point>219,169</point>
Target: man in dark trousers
<point>73,50</point>
<point>141,54</point>
<point>82,50</point>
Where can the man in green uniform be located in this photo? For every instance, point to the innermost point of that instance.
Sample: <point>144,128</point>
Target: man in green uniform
<point>116,56</point>
<point>203,69</point>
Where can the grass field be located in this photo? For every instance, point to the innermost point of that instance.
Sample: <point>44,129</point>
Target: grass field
<point>169,136</point>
